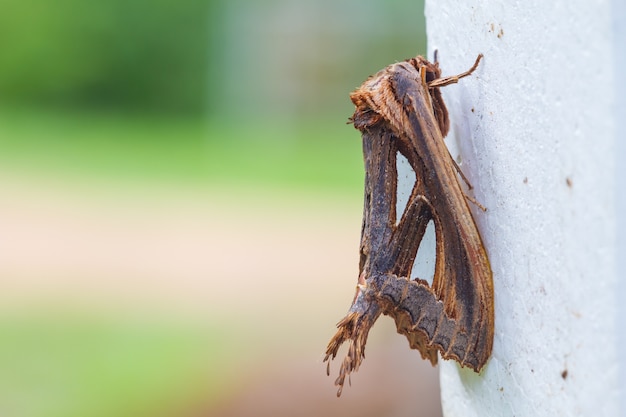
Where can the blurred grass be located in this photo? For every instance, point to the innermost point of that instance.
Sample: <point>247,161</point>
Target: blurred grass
<point>126,148</point>
<point>58,366</point>
<point>176,62</point>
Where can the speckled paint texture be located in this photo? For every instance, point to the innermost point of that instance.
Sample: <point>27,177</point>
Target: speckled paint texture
<point>534,129</point>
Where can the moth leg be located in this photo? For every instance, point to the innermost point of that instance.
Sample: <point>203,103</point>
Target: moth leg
<point>469,185</point>
<point>469,198</point>
<point>442,82</point>
<point>458,169</point>
<point>473,200</point>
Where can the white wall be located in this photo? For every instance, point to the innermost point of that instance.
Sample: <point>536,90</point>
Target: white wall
<point>619,65</point>
<point>539,149</point>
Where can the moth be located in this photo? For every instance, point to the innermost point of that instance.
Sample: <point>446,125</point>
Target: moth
<point>401,110</point>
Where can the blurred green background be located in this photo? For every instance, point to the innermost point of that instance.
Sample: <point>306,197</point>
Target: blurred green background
<point>181,201</point>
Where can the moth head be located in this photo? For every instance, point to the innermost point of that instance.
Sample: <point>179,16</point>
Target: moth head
<point>432,69</point>
<point>363,116</point>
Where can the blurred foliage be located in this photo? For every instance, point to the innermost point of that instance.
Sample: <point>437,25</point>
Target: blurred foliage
<point>298,60</point>
<point>128,54</point>
<point>218,90</point>
<point>66,366</point>
<point>144,149</point>
<point>228,92</point>
<point>290,59</point>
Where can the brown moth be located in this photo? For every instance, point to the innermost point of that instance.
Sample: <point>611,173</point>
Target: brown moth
<point>400,109</point>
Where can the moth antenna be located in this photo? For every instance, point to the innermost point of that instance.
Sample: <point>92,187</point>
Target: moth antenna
<point>436,57</point>
<point>442,82</point>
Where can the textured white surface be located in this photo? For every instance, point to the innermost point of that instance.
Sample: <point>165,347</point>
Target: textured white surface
<point>619,63</point>
<point>539,148</point>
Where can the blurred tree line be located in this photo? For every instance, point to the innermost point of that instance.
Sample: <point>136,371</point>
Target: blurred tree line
<point>127,54</point>
<point>231,58</point>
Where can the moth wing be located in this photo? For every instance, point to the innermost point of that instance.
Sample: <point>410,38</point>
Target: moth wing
<point>454,315</point>
<point>462,282</point>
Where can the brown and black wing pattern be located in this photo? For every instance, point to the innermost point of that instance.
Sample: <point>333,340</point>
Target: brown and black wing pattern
<point>397,111</point>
